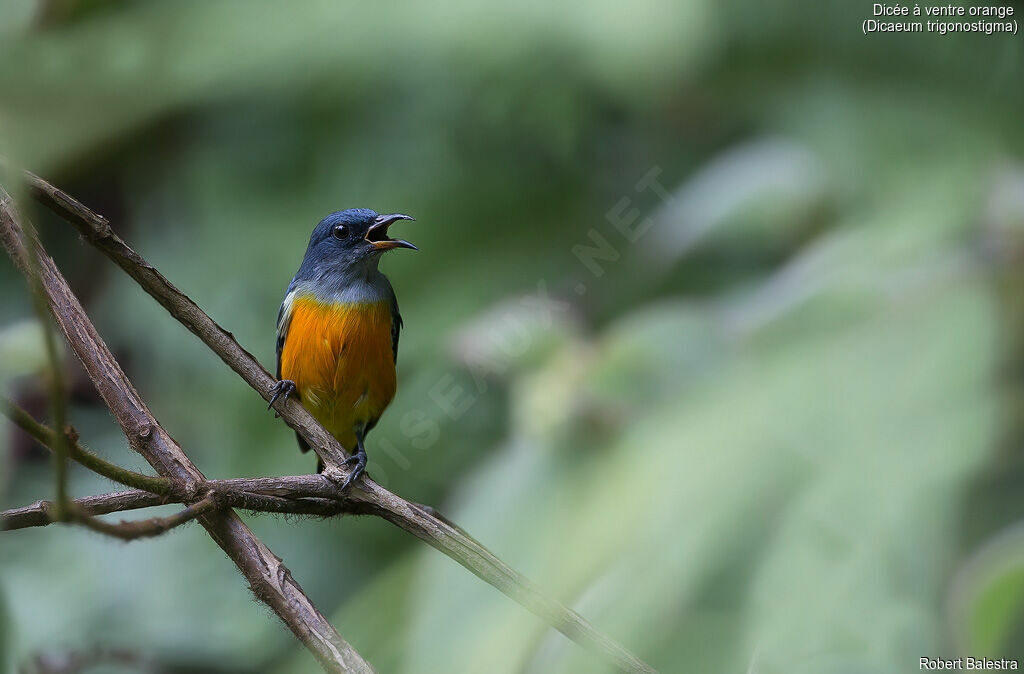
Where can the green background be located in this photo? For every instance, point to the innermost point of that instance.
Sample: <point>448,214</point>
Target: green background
<point>780,431</point>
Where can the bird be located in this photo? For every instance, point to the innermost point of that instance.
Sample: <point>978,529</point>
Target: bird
<point>338,329</point>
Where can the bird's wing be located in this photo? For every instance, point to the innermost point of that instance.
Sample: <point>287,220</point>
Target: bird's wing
<point>284,319</point>
<point>396,327</point>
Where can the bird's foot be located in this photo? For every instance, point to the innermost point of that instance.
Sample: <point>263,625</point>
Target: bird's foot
<point>359,459</point>
<point>285,388</point>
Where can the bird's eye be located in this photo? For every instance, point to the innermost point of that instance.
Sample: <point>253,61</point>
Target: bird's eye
<point>340,232</point>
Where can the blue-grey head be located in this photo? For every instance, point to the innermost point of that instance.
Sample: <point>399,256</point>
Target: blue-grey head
<point>348,244</point>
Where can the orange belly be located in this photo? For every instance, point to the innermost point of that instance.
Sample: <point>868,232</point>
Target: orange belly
<point>340,358</point>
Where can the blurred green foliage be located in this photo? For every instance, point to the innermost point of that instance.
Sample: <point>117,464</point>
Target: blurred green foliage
<point>775,433</point>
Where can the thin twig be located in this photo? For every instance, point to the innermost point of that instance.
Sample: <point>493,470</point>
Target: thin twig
<point>49,439</point>
<point>377,500</point>
<point>269,579</point>
<point>154,526</point>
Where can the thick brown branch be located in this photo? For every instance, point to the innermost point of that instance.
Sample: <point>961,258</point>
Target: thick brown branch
<point>269,579</point>
<point>408,516</point>
<point>39,514</point>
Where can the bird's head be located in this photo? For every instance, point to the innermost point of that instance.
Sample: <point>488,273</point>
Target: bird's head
<point>353,239</point>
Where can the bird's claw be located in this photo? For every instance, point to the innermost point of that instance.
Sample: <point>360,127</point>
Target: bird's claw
<point>285,388</point>
<point>359,459</point>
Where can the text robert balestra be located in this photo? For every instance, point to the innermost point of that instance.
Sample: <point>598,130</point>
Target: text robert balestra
<point>967,663</point>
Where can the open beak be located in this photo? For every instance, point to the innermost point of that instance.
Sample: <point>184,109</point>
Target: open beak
<point>377,234</point>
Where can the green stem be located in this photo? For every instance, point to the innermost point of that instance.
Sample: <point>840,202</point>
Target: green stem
<point>48,438</point>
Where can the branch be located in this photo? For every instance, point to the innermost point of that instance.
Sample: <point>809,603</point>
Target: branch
<point>39,514</point>
<point>258,495</point>
<point>234,494</point>
<point>130,531</point>
<point>410,517</point>
<point>269,579</point>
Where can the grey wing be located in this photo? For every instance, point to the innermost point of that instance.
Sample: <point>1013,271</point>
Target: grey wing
<point>282,331</point>
<point>396,327</point>
<point>396,330</point>
<point>283,321</point>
